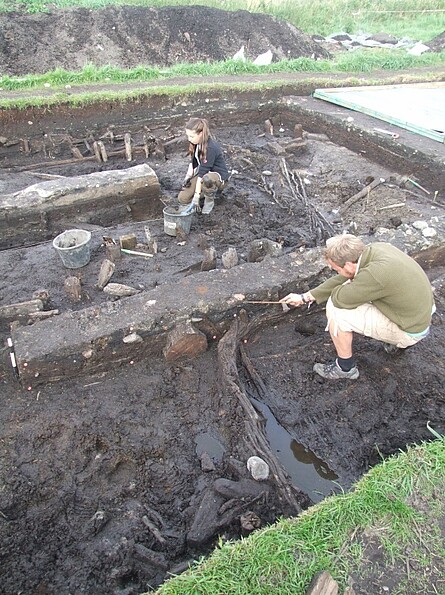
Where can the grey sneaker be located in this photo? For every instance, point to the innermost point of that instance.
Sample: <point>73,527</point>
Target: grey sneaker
<point>392,349</point>
<point>332,371</point>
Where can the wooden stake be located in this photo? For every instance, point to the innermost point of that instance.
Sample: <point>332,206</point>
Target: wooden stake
<point>77,154</point>
<point>103,151</point>
<point>363,192</point>
<point>127,141</point>
<point>97,151</point>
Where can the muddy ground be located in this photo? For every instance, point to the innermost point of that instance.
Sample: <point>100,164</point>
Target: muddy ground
<point>106,484</point>
<point>112,481</point>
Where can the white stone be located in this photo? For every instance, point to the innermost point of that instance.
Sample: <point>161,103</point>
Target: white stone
<point>429,232</point>
<point>258,468</point>
<point>420,225</point>
<point>263,59</point>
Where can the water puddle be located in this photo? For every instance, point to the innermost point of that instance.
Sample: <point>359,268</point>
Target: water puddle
<point>308,472</point>
<point>207,443</point>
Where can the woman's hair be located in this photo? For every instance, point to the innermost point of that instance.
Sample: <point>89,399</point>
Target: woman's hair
<point>199,125</point>
<point>344,248</point>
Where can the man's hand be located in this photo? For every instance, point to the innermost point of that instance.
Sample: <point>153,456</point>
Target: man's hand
<point>196,202</point>
<point>293,299</point>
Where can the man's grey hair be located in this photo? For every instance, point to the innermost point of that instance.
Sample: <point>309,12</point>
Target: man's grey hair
<point>344,248</point>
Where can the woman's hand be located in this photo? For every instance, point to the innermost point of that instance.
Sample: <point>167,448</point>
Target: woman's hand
<point>196,202</point>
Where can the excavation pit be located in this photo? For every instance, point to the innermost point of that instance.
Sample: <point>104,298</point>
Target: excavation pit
<point>120,467</point>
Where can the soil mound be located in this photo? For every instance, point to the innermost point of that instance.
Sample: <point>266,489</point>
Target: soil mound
<point>437,44</point>
<point>130,36</point>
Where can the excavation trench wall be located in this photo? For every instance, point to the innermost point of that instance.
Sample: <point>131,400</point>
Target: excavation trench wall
<point>92,339</point>
<point>116,443</point>
<point>420,156</point>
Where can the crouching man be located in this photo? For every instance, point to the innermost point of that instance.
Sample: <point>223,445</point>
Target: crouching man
<point>379,292</point>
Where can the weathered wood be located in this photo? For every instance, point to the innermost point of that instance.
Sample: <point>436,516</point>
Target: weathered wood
<point>268,127</point>
<point>174,141</point>
<point>106,272</point>
<point>298,131</point>
<point>152,244</point>
<point>127,141</point>
<point>103,151</point>
<point>96,151</point>
<point>45,176</point>
<point>120,290</point>
<point>254,437</point>
<point>128,241</point>
<point>323,584</point>
<point>113,252</point>
<point>184,341</point>
<point>209,260</point>
<point>153,530</point>
<point>230,258</point>
<point>42,314</point>
<point>150,557</point>
<point>363,192</point>
<point>249,521</point>
<point>146,146</point>
<point>73,288</point>
<point>21,308</point>
<point>77,154</point>
<point>41,294</point>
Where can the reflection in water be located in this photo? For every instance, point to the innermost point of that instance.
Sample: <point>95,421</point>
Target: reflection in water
<point>306,456</point>
<point>308,472</point>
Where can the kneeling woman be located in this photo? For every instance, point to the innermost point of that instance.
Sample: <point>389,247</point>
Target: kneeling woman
<point>207,173</point>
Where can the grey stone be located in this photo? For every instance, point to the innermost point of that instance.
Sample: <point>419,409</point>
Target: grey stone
<point>258,249</point>
<point>230,258</point>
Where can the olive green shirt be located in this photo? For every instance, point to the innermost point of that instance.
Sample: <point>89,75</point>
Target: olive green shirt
<point>391,280</point>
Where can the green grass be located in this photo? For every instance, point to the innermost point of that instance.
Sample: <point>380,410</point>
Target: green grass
<point>305,84</point>
<point>361,61</point>
<point>283,558</point>
<point>402,18</point>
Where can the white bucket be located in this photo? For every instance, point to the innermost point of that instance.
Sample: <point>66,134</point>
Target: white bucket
<point>177,216</point>
<point>73,246</point>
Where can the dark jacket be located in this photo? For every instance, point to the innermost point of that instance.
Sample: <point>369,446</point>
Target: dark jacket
<point>214,161</point>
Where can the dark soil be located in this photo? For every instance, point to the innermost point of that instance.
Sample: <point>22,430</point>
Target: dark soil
<point>104,477</point>
<point>130,36</point>
<point>85,460</point>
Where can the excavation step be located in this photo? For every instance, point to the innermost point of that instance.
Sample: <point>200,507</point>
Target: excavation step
<point>42,210</point>
<point>94,339</point>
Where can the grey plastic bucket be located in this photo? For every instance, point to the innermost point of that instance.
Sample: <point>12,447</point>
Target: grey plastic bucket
<point>74,247</point>
<point>177,216</point>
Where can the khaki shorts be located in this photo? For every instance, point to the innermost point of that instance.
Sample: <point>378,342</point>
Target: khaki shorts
<point>186,194</point>
<point>369,321</point>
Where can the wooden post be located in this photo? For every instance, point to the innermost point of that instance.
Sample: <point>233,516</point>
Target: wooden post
<point>77,154</point>
<point>97,152</point>
<point>146,147</point>
<point>21,308</point>
<point>103,151</point>
<point>127,141</point>
<point>184,341</point>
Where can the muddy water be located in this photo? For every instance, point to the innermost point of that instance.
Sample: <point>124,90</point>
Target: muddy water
<point>307,471</point>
